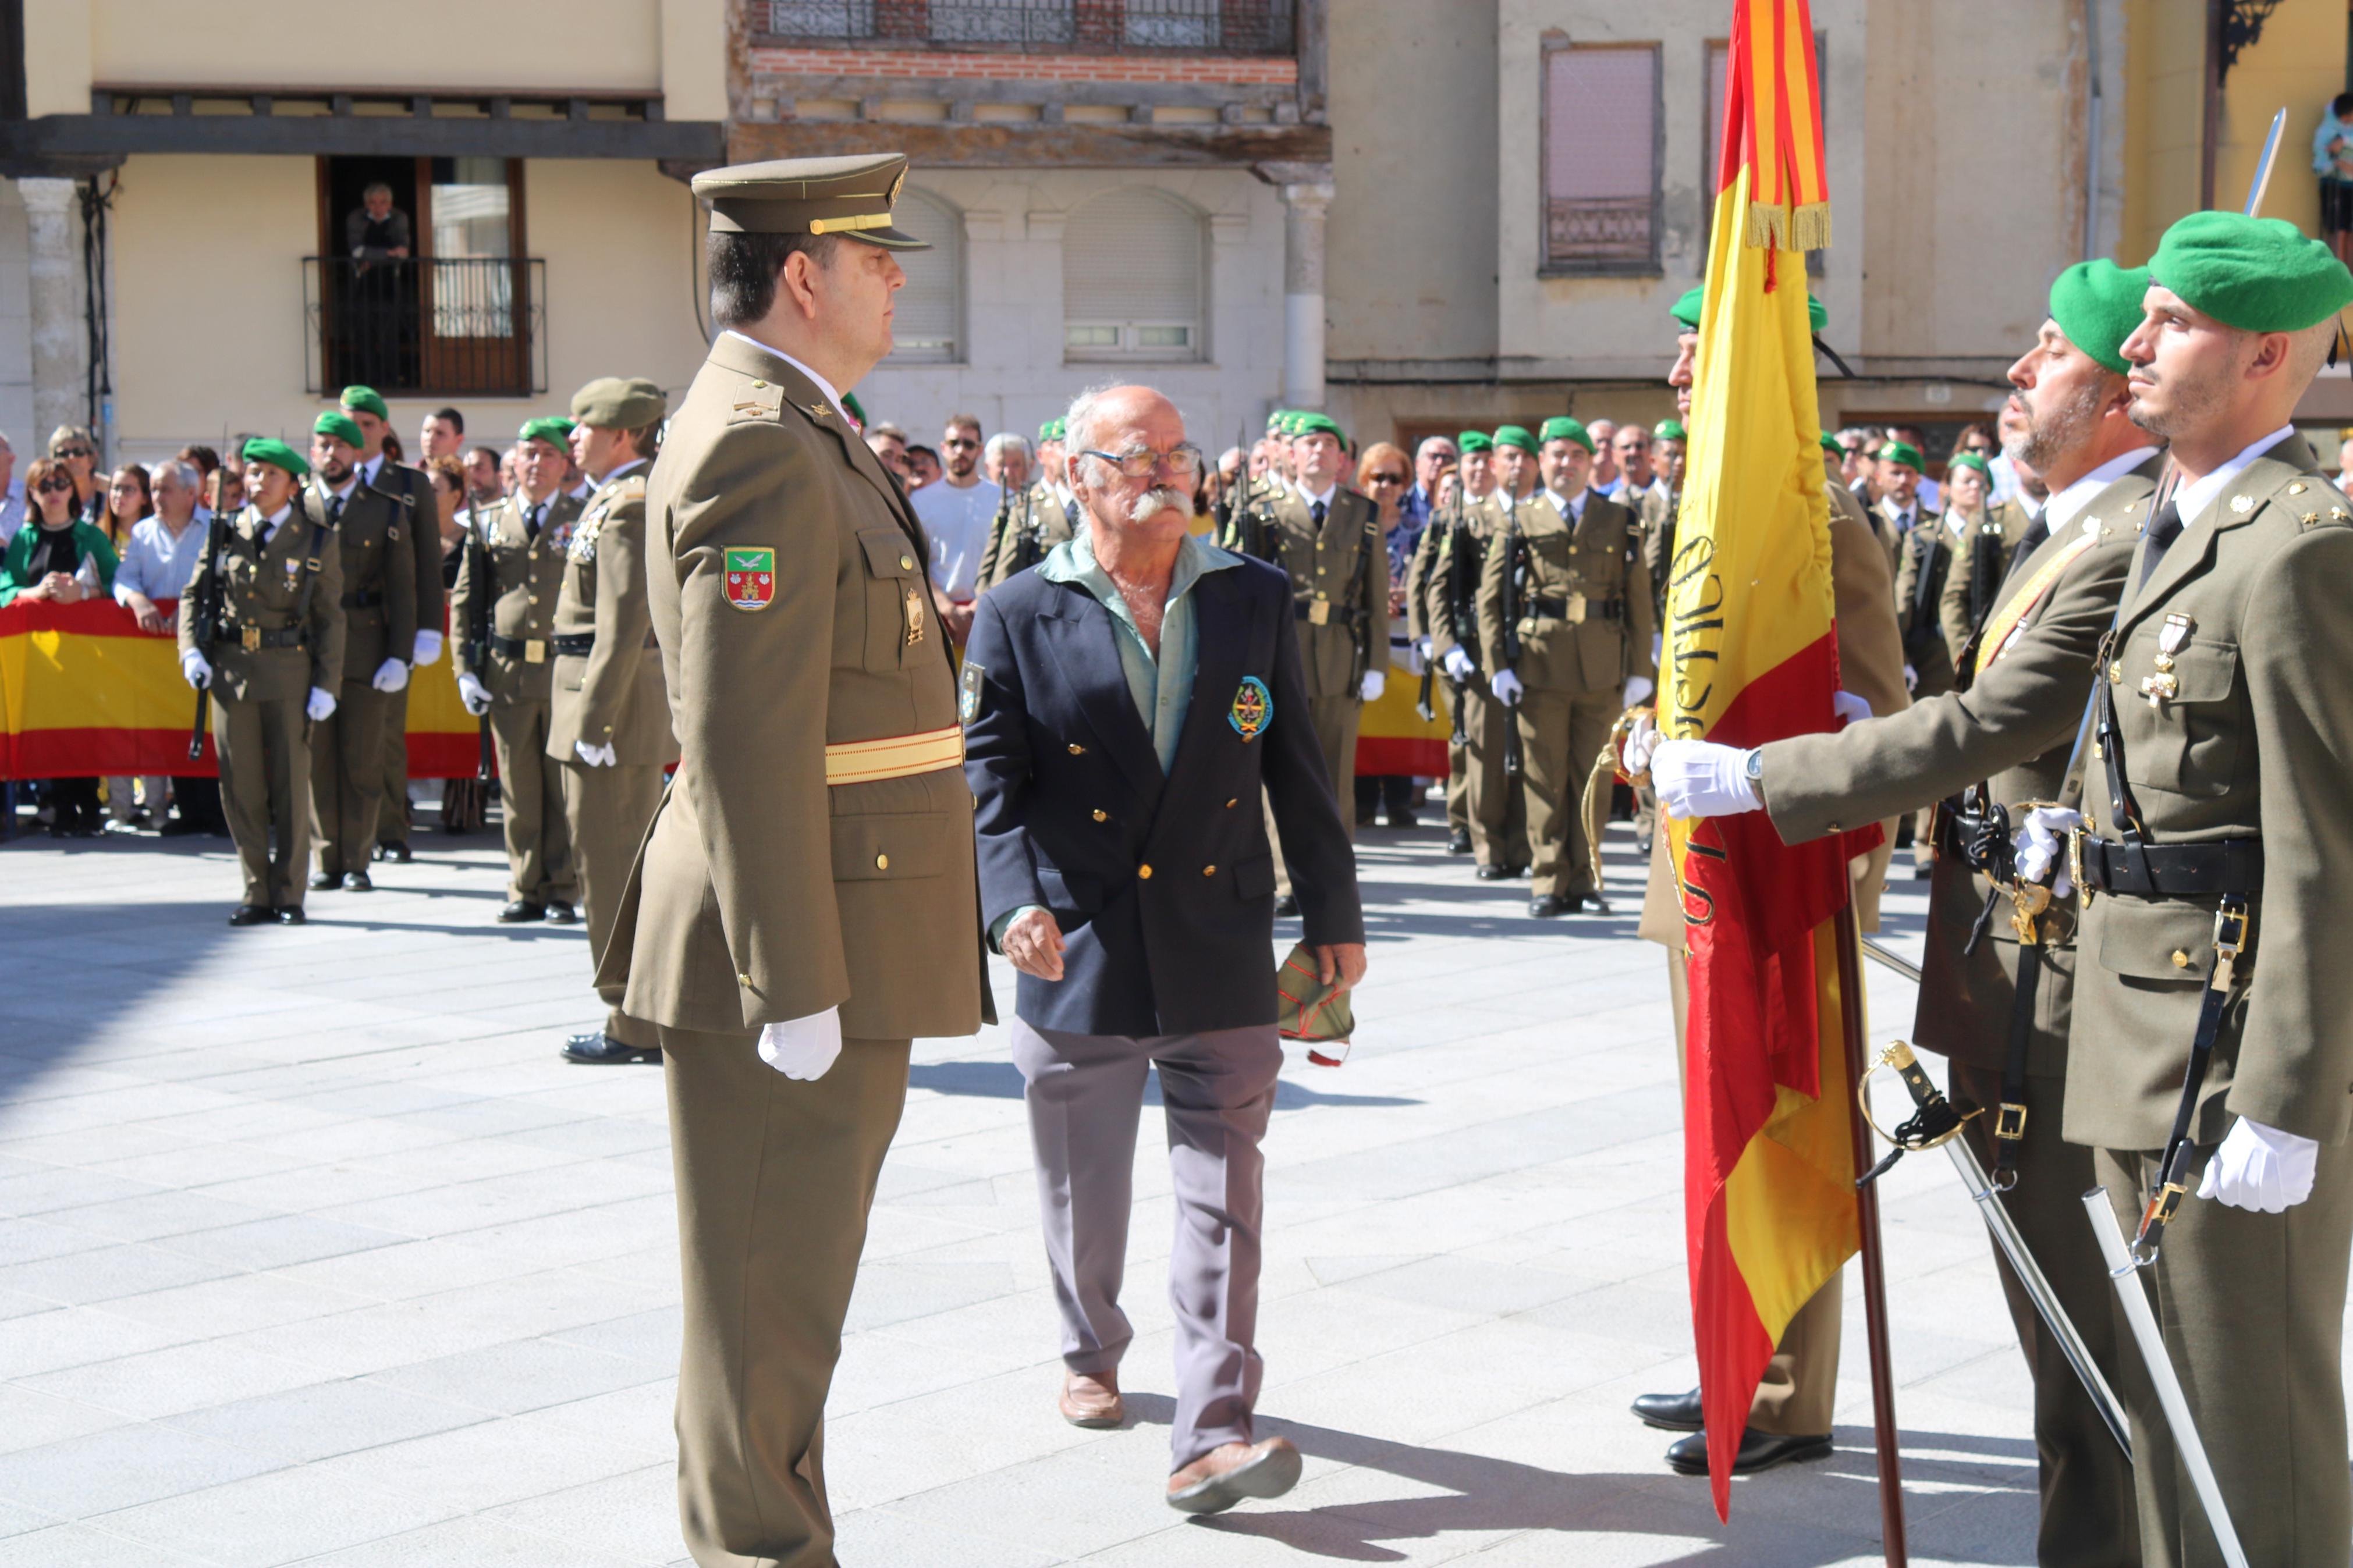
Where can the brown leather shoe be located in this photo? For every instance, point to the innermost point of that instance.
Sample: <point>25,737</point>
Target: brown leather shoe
<point>1091,1399</point>
<point>1224,1476</point>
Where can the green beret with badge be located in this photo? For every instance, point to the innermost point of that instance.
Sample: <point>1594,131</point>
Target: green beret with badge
<point>1278,422</point>
<point>853,195</point>
<point>554,429</point>
<point>364,400</point>
<point>1471,441</point>
<point>2257,274</point>
<point>341,425</point>
<point>1563,428</point>
<point>1830,444</point>
<point>2097,305</point>
<point>1317,425</point>
<point>1971,460</point>
<point>1669,430</point>
<point>618,403</point>
<point>1516,436</point>
<point>1052,430</point>
<point>1903,452</point>
<point>277,455</point>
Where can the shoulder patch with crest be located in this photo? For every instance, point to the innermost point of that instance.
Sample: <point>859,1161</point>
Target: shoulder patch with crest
<point>1253,709</point>
<point>750,578</point>
<point>968,691</point>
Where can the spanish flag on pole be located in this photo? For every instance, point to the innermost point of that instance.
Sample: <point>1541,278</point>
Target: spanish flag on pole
<point>1752,655</point>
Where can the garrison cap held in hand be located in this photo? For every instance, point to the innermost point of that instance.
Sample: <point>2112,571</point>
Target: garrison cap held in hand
<point>364,400</point>
<point>1903,452</point>
<point>1516,436</point>
<point>1471,441</point>
<point>548,427</point>
<point>1686,310</point>
<point>1566,429</point>
<point>615,402</point>
<point>277,455</point>
<point>852,195</point>
<point>2097,305</point>
<point>341,425</point>
<point>2257,274</point>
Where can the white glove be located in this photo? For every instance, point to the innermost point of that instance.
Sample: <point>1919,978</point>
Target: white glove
<point>1911,678</point>
<point>1375,681</point>
<point>1638,689</point>
<point>1848,708</point>
<point>1634,756</point>
<point>474,695</point>
<point>199,674</point>
<point>321,706</point>
<point>1417,657</point>
<point>603,756</point>
<point>2038,843</point>
<point>1506,687</point>
<point>2261,1168</point>
<point>429,646</point>
<point>1457,663</point>
<point>1700,778</point>
<point>1421,647</point>
<point>803,1048</point>
<point>390,676</point>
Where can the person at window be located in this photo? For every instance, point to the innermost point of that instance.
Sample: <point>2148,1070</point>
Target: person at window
<point>376,230</point>
<point>956,514</point>
<point>58,558</point>
<point>380,324</point>
<point>74,446</point>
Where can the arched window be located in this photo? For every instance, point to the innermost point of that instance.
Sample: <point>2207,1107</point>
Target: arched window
<point>927,327</point>
<point>1133,273</point>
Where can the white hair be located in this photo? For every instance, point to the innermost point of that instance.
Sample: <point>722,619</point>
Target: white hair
<point>1005,441</point>
<point>187,473</point>
<point>1079,424</point>
<point>1429,441</point>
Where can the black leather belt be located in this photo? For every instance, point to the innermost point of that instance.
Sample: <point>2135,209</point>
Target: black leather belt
<point>572,644</point>
<point>531,650</point>
<point>2171,871</point>
<point>252,638</point>
<point>1595,609</point>
<point>365,599</point>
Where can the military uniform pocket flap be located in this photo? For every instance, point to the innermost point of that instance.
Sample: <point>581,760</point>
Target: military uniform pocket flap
<point>2205,673</point>
<point>2156,939</point>
<point>889,553</point>
<point>896,847</point>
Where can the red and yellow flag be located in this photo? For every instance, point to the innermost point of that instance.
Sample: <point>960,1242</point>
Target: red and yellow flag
<point>1752,655</point>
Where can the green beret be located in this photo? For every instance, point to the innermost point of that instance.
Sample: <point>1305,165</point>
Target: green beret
<point>1052,430</point>
<point>1279,422</point>
<point>855,409</point>
<point>1971,461</point>
<point>364,400</point>
<point>2257,274</point>
<point>1318,425</point>
<point>1565,429</point>
<point>338,424</point>
<point>614,403</point>
<point>1516,436</point>
<point>1903,452</point>
<point>551,428</point>
<point>1686,310</point>
<point>1669,430</point>
<point>2097,305</point>
<point>1830,444</point>
<point>1471,441</point>
<point>278,455</point>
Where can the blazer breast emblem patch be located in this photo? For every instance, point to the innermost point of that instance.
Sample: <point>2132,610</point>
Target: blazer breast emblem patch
<point>1253,707</point>
<point>968,691</point>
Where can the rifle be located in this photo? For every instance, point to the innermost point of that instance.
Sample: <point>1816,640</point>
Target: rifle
<point>478,631</point>
<point>1515,563</point>
<point>205,627</point>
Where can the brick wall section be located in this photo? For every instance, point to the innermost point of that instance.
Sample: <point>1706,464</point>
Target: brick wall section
<point>1281,71</point>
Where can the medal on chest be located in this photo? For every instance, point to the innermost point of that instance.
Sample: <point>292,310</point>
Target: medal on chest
<point>2164,686</point>
<point>583,548</point>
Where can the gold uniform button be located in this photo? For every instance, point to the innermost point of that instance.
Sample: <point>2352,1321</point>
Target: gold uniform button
<point>743,979</point>
<point>760,384</point>
<point>1835,828</point>
<point>1229,804</point>
<point>2180,959</point>
<point>906,563</point>
<point>1144,872</point>
<point>1208,870</point>
<point>881,862</point>
<point>1077,750</point>
<point>1101,816</point>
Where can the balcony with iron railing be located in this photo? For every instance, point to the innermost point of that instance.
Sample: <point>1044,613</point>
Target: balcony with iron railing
<point>1035,26</point>
<point>426,326</point>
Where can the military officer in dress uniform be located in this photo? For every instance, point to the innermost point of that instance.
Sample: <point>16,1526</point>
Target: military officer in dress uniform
<point>525,544</point>
<point>2007,736</point>
<point>805,901</point>
<point>379,604</point>
<point>1565,628</point>
<point>1493,800</point>
<point>273,663</point>
<point>411,489</point>
<point>609,723</point>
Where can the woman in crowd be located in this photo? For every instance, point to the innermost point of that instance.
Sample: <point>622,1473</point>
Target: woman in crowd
<point>129,498</point>
<point>75,447</point>
<point>1385,473</point>
<point>58,558</point>
<point>130,501</point>
<point>465,805</point>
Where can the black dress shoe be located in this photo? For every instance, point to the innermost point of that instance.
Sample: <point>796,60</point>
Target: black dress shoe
<point>560,913</point>
<point>601,1049</point>
<point>1548,906</point>
<point>325,881</point>
<point>1287,905</point>
<point>357,882</point>
<point>1458,841</point>
<point>1493,873</point>
<point>1590,900</point>
<point>291,915</point>
<point>1516,870</point>
<point>1405,822</point>
<point>518,911</point>
<point>250,915</point>
<point>1670,1412</point>
<point>1758,1451</point>
<point>396,852</point>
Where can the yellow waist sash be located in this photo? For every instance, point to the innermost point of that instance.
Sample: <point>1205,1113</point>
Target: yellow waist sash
<point>894,757</point>
<point>2003,624</point>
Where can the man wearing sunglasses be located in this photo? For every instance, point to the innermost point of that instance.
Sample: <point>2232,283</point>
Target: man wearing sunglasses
<point>956,513</point>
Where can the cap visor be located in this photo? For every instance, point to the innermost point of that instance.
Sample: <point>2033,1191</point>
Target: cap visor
<point>888,238</point>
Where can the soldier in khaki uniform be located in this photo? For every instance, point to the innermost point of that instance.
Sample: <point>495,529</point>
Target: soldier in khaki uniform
<point>1037,519</point>
<point>1494,802</point>
<point>608,727</point>
<point>525,540</point>
<point>1972,586</point>
<point>805,901</point>
<point>379,603</point>
<point>2009,732</point>
<point>412,491</point>
<point>1565,627</point>
<point>272,664</point>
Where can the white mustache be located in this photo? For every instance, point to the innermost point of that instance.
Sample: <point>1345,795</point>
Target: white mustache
<point>1154,502</point>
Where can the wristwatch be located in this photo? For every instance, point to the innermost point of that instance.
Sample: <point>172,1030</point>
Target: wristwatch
<point>1755,766</point>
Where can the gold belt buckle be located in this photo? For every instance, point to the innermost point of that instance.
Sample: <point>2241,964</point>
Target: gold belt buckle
<point>2009,1123</point>
<point>535,651</point>
<point>1319,614</point>
<point>1575,615</point>
<point>2076,837</point>
<point>249,637</point>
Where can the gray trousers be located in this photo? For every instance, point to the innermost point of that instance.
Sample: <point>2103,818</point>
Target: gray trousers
<point>1086,1094</point>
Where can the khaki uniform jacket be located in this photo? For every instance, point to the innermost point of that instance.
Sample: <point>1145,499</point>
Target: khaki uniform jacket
<point>1038,511</point>
<point>379,595</point>
<point>1484,520</point>
<point>262,587</point>
<point>1345,567</point>
<point>1599,564</point>
<point>613,694</point>
<point>525,574</point>
<point>762,893</point>
<point>413,489</point>
<point>1659,509</point>
<point>1926,562</point>
<point>1995,537</point>
<point>2014,728</point>
<point>2251,743</point>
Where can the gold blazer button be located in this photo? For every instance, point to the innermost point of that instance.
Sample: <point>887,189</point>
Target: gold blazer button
<point>1077,750</point>
<point>1101,816</point>
<point>881,862</point>
<point>1208,870</point>
<point>1144,872</point>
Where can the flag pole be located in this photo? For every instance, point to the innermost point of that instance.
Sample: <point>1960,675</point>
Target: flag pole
<point>1874,1275</point>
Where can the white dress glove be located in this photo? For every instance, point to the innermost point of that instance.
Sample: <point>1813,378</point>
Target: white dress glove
<point>1848,708</point>
<point>603,756</point>
<point>1374,682</point>
<point>1506,687</point>
<point>1638,689</point>
<point>1634,756</point>
<point>803,1048</point>
<point>2040,841</point>
<point>2261,1168</point>
<point>1457,663</point>
<point>1911,678</point>
<point>321,706</point>
<point>429,646</point>
<point>474,695</point>
<point>1700,778</point>
<point>198,673</point>
<point>390,676</point>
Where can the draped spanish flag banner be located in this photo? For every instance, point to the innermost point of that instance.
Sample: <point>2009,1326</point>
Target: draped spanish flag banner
<point>1752,655</point>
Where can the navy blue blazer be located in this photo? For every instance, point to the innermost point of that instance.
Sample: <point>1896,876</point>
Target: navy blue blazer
<point>1164,887</point>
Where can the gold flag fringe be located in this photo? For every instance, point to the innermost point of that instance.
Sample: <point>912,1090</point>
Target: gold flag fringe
<point>1782,229</point>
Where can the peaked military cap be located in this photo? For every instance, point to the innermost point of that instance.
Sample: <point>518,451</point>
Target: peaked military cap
<point>2097,305</point>
<point>277,455</point>
<point>2257,274</point>
<point>852,195</point>
<point>613,402</point>
<point>341,425</point>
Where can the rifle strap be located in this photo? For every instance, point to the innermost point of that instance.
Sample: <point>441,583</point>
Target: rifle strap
<point>312,561</point>
<point>2009,1122</point>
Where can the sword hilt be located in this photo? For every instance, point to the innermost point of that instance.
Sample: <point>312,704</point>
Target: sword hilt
<point>1935,1121</point>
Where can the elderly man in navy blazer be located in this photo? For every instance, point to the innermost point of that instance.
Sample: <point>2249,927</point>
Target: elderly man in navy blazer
<point>1125,702</point>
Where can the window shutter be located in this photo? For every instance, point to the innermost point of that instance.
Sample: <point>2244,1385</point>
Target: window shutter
<point>1601,174</point>
<point>927,325</point>
<point>1132,268</point>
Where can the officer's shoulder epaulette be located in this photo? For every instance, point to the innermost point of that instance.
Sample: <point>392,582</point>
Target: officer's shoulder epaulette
<point>634,486</point>
<point>2310,501</point>
<point>756,399</point>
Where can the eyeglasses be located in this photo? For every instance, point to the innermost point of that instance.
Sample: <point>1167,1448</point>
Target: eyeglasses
<point>53,484</point>
<point>1183,460</point>
<point>1385,479</point>
<point>72,452</point>
<point>959,444</point>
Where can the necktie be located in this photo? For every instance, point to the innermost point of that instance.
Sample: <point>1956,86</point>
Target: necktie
<point>1315,510</point>
<point>335,510</point>
<point>532,521</point>
<point>2028,543</point>
<point>2163,530</point>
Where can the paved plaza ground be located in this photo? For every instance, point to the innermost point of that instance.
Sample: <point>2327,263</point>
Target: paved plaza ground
<point>312,1251</point>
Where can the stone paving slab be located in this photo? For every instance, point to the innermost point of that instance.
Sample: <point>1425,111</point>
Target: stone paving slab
<point>312,1251</point>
